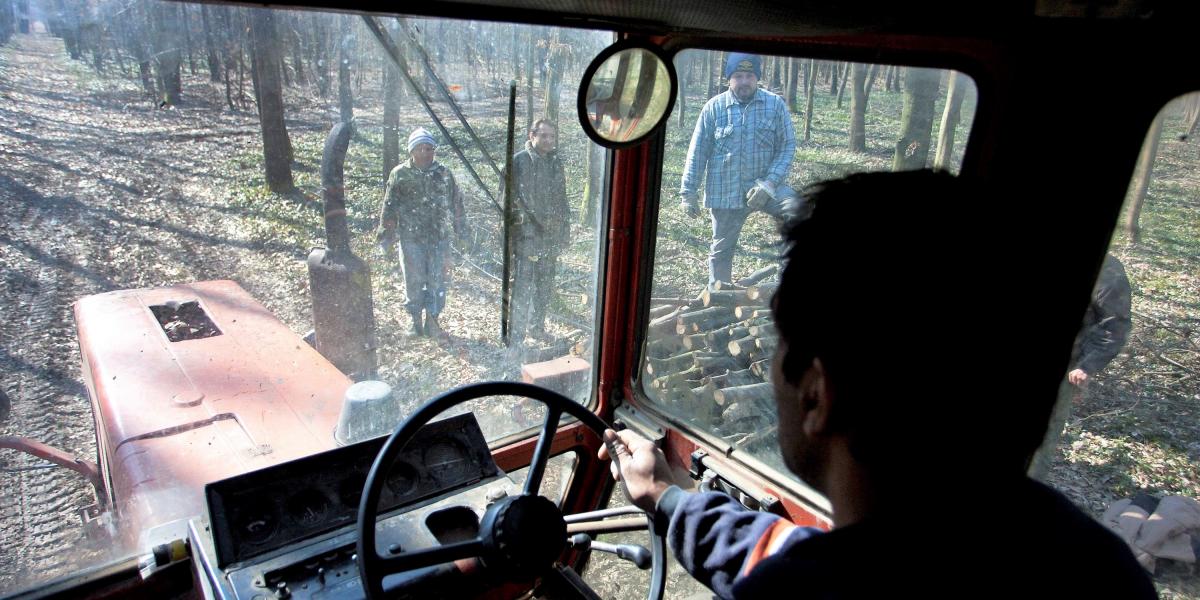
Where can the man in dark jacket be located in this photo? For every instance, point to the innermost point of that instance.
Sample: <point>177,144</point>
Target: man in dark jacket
<point>1106,326</point>
<point>542,228</point>
<point>926,483</point>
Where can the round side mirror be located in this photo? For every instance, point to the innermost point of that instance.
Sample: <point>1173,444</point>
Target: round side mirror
<point>627,92</point>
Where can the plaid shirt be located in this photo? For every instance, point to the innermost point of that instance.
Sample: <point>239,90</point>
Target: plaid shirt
<point>737,143</point>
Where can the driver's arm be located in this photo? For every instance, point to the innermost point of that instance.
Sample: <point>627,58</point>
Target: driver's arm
<point>716,539</point>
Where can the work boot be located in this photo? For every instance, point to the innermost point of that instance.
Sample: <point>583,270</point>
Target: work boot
<point>432,329</point>
<point>417,328</point>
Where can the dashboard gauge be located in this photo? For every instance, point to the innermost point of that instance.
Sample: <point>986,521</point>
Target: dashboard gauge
<point>447,460</point>
<point>308,507</point>
<point>402,479</point>
<point>256,522</point>
<point>350,490</point>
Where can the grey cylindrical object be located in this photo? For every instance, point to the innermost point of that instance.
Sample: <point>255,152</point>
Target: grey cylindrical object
<point>368,410</point>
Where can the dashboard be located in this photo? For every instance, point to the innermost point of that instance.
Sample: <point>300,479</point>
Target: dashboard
<point>288,530</point>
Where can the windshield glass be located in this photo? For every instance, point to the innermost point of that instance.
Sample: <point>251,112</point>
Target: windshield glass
<point>748,133</point>
<point>232,214</point>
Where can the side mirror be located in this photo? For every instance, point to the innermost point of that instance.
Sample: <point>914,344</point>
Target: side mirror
<point>627,92</point>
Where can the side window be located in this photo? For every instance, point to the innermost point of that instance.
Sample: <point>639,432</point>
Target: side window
<point>1124,440</point>
<point>748,134</point>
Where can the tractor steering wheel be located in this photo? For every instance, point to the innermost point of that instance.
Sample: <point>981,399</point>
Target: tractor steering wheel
<point>521,535</point>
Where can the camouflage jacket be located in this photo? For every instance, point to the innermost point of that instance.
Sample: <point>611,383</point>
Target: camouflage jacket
<point>420,205</point>
<point>541,210</point>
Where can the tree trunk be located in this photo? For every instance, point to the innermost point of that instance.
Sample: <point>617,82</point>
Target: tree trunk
<point>345,53</point>
<point>391,116</point>
<point>556,62</point>
<point>1141,180</point>
<point>277,146</point>
<point>529,72</point>
<point>950,118</point>
<point>858,108</point>
<point>167,58</point>
<point>833,79</point>
<point>187,34</point>
<point>210,49</point>
<point>593,186</point>
<point>870,81</point>
<point>812,68</point>
<point>297,50</point>
<point>842,87</point>
<point>793,84</point>
<point>912,149</point>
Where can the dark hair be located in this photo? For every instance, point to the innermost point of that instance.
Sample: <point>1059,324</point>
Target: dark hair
<point>894,282</point>
<point>538,123</point>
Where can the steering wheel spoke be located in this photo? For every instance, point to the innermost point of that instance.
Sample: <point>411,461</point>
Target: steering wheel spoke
<point>541,453</point>
<point>428,557</point>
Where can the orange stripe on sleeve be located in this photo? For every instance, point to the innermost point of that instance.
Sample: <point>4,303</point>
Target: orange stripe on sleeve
<point>770,542</point>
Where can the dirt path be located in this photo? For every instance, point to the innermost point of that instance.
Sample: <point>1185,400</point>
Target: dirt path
<point>98,187</point>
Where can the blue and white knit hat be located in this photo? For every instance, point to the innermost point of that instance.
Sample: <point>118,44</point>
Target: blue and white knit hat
<point>420,135</point>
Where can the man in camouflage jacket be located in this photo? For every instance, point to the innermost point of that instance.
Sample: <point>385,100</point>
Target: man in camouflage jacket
<point>542,228</point>
<point>421,206</point>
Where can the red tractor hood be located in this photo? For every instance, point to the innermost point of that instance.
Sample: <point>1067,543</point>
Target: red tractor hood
<point>172,416</point>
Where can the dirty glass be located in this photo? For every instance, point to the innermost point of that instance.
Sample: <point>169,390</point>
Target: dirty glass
<point>148,146</point>
<point>710,339</point>
<point>1124,441</point>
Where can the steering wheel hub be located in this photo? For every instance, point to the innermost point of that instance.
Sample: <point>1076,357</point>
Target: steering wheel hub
<point>523,534</point>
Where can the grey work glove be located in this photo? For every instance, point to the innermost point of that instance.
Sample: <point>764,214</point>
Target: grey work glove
<point>758,196</point>
<point>689,206</point>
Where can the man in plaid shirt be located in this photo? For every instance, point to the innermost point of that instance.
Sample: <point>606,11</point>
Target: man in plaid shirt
<point>742,147</point>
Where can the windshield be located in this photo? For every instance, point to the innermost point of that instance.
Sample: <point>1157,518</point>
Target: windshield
<point>337,182</point>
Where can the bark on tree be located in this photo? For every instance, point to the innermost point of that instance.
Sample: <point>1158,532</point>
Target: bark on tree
<point>808,111</point>
<point>1141,180</point>
<point>210,48</point>
<point>345,54</point>
<point>793,84</point>
<point>391,117</point>
<point>858,107</point>
<point>167,57</point>
<point>912,149</point>
<point>557,54</point>
<point>950,118</point>
<point>277,146</point>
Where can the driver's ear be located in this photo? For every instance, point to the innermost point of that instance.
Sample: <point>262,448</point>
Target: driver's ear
<point>816,399</point>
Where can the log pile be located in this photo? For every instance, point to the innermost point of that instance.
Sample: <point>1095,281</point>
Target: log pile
<point>708,358</point>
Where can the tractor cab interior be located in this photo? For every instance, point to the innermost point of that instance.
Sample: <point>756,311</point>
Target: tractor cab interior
<point>253,401</point>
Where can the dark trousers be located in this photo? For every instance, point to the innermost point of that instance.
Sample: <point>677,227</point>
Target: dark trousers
<point>425,275</point>
<point>726,229</point>
<point>533,289</point>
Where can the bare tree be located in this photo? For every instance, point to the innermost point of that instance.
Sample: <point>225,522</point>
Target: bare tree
<point>277,146</point>
<point>345,53</point>
<point>167,36</point>
<point>858,107</point>
<point>210,48</point>
<point>912,149</point>
<point>391,111</point>
<point>808,111</point>
<point>793,84</point>
<point>950,119</point>
<point>1141,180</point>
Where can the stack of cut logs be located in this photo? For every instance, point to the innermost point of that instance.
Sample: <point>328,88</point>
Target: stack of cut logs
<point>708,358</point>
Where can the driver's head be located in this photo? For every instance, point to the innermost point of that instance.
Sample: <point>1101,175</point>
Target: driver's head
<point>891,304</point>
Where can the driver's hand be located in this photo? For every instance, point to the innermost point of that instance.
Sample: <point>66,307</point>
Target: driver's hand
<point>643,467</point>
